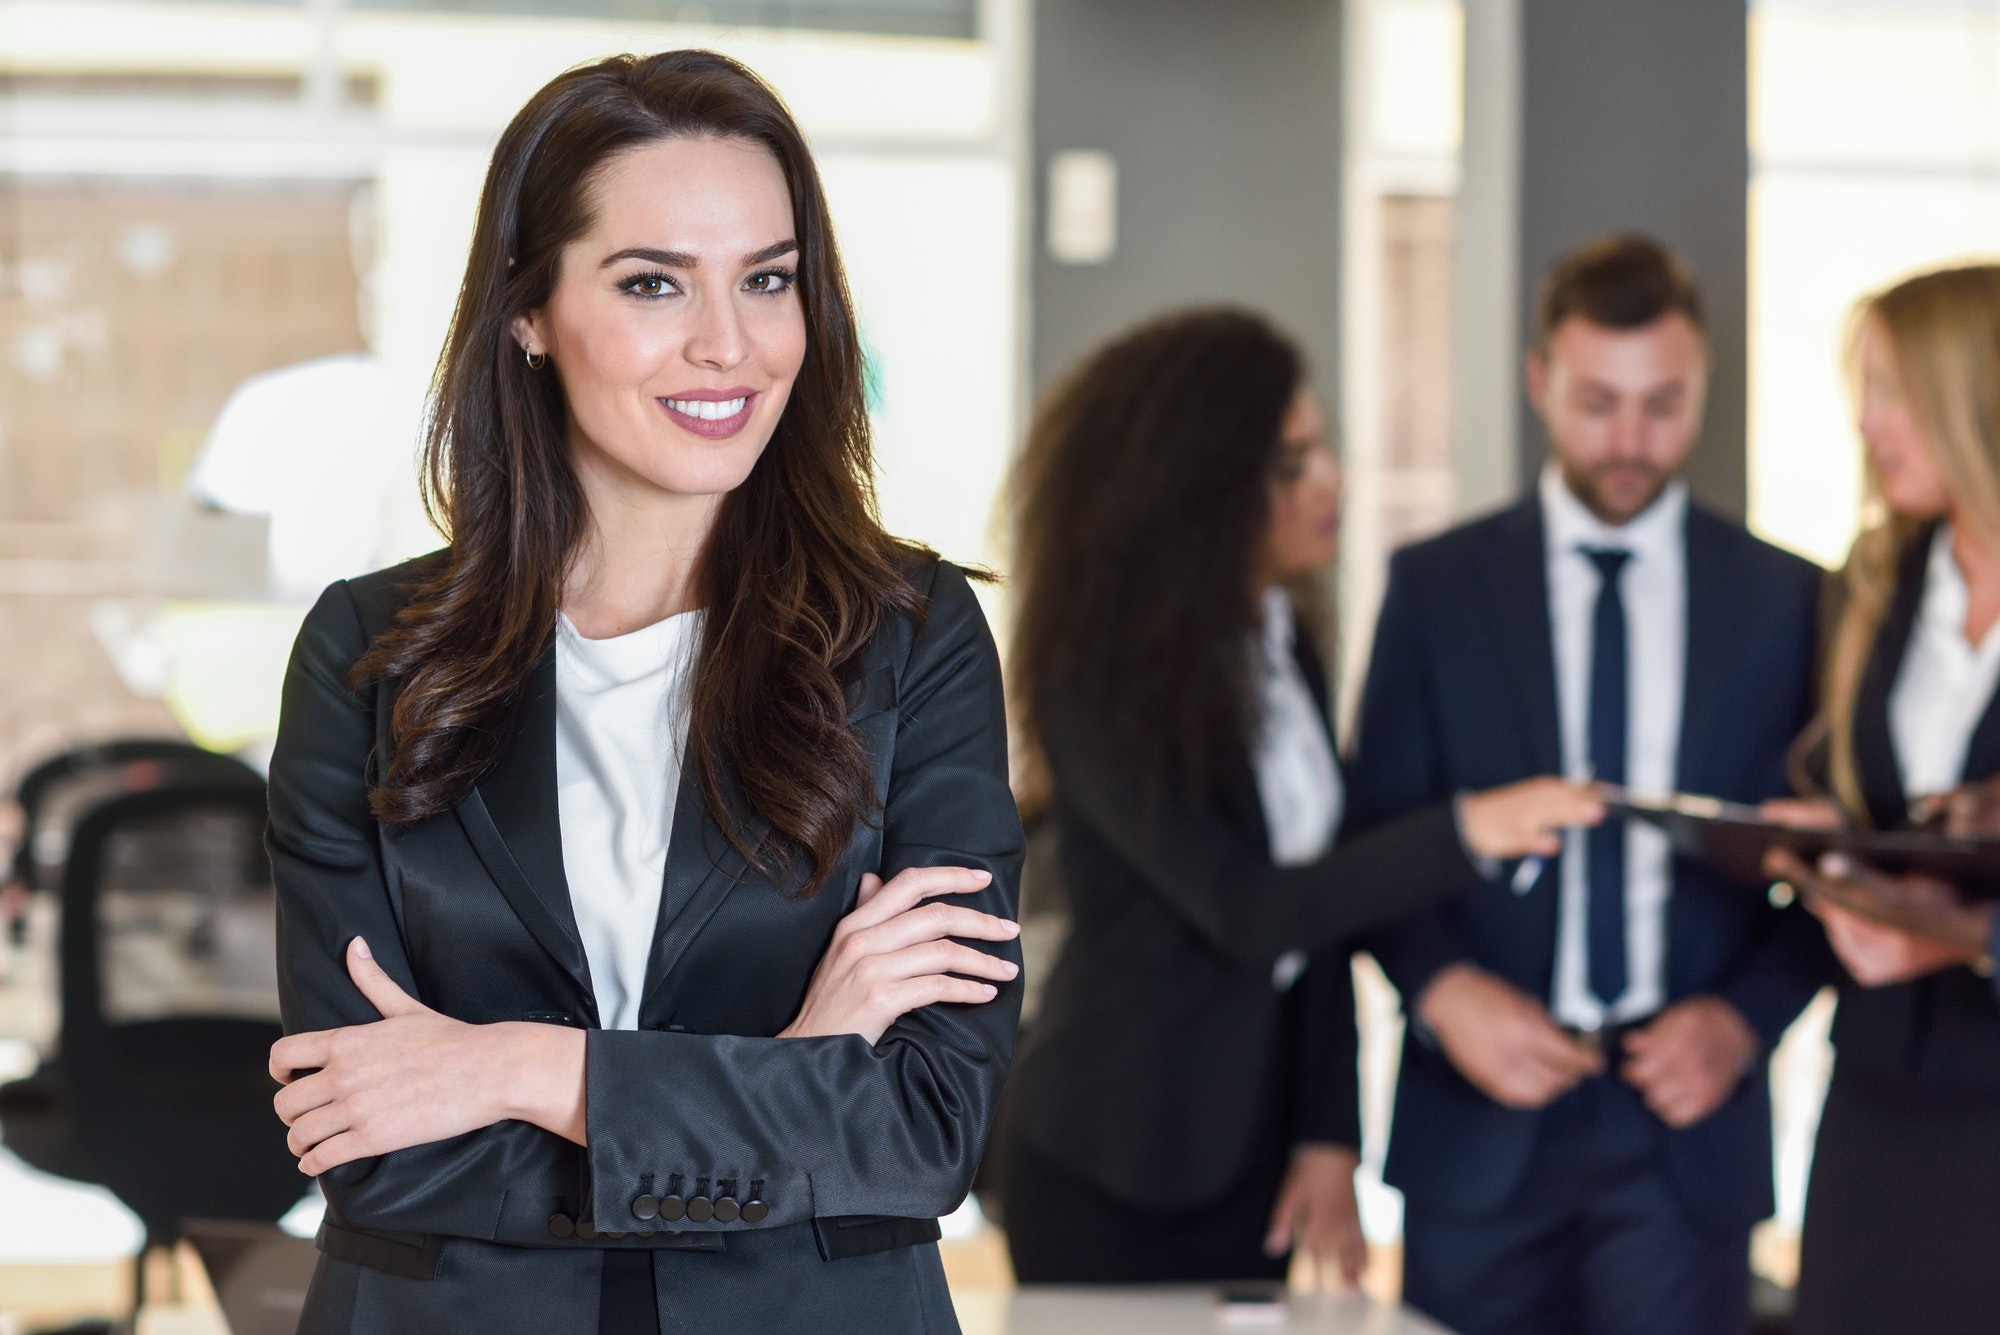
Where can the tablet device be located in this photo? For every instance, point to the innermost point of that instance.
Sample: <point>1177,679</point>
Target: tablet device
<point>1732,839</point>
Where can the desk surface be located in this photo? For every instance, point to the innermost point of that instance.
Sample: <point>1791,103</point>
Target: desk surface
<point>1193,1311</point>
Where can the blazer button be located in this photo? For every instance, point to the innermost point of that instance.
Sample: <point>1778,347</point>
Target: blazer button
<point>586,1229</point>
<point>672,1209</point>
<point>700,1210</point>
<point>612,1233</point>
<point>646,1207</point>
<point>561,1225</point>
<point>755,1212</point>
<point>726,1210</point>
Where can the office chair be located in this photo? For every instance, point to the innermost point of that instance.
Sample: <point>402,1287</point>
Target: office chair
<point>35,1115</point>
<point>169,1007</point>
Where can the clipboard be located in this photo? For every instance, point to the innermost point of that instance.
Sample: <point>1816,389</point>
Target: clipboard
<point>1731,838</point>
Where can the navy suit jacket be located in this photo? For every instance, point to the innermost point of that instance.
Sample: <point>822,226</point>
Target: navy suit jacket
<point>1460,696</point>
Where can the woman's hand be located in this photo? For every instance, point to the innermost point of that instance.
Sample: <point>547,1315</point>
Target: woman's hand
<point>416,1076</point>
<point>893,954</point>
<point>1317,1213</point>
<point>1526,819</point>
<point>1887,929</point>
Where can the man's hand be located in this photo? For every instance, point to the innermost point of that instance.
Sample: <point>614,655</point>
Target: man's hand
<point>1318,1214</point>
<point>1689,1059</point>
<point>1503,1040</point>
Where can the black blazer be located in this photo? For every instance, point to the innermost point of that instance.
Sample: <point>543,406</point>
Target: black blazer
<point>1461,694</point>
<point>1936,1039</point>
<point>852,1151</point>
<point>1149,1067</point>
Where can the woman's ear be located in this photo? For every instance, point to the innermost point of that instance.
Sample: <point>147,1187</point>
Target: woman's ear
<point>527,332</point>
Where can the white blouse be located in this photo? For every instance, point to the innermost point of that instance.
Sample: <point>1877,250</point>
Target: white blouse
<point>1298,780</point>
<point>621,725</point>
<point>1945,682</point>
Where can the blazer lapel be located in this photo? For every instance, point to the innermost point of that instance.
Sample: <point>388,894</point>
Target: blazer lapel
<point>1982,754</point>
<point>1518,580</point>
<point>702,868</point>
<point>1881,772</point>
<point>514,823</point>
<point>1711,621</point>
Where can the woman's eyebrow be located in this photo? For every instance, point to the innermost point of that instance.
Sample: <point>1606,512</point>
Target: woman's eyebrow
<point>680,259</point>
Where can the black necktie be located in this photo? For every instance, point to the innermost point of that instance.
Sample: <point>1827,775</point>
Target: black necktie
<point>1605,844</point>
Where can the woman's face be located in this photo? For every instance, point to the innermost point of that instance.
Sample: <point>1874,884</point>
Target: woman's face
<point>1305,494</point>
<point>1905,469</point>
<point>675,323</point>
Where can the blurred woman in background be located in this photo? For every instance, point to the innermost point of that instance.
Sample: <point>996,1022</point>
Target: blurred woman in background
<point>1177,507</point>
<point>1903,1211</point>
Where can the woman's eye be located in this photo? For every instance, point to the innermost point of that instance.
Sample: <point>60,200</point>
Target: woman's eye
<point>649,285</point>
<point>770,281</point>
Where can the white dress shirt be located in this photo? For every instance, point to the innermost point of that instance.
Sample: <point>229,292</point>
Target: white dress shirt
<point>1299,788</point>
<point>1653,588</point>
<point>621,724</point>
<point>1945,682</point>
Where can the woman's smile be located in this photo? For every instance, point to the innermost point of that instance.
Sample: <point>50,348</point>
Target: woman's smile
<point>714,414</point>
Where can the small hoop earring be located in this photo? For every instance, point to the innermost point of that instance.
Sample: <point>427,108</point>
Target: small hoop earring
<point>536,360</point>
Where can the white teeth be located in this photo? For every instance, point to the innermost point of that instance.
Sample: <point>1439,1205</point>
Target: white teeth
<point>706,409</point>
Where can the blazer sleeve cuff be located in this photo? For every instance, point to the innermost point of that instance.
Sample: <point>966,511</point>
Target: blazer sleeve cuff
<point>1768,1004</point>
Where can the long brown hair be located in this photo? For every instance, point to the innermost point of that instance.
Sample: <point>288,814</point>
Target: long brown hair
<point>1943,334</point>
<point>1141,509</point>
<point>796,573</point>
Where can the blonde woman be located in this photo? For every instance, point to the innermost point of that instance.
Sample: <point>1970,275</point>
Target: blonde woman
<point>1903,1212</point>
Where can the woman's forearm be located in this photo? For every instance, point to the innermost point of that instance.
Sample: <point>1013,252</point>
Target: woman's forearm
<point>541,1067</point>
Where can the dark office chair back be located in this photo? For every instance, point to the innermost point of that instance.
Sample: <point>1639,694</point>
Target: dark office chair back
<point>169,1005</point>
<point>36,1118</point>
<point>55,793</point>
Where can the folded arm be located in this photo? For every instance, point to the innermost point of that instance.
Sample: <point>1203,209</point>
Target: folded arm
<point>808,1126</point>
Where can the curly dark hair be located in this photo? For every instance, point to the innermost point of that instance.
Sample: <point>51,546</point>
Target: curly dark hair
<point>1141,507</point>
<point>797,572</point>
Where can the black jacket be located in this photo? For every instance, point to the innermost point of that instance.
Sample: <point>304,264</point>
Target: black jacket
<point>851,1150</point>
<point>1149,1067</point>
<point>1937,1039</point>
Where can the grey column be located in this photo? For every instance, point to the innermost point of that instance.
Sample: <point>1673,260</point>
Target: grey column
<point>1615,115</point>
<point>1223,120</point>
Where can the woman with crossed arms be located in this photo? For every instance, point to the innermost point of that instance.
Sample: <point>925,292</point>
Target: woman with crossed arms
<point>627,849</point>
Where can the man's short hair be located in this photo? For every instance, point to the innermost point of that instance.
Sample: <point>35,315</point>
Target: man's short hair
<point>1624,281</point>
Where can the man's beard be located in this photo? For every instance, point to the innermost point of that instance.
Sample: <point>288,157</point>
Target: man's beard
<point>1588,488</point>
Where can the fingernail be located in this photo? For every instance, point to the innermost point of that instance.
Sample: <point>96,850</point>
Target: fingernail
<point>989,989</point>
<point>1836,864</point>
<point>361,948</point>
<point>1012,968</point>
<point>1012,929</point>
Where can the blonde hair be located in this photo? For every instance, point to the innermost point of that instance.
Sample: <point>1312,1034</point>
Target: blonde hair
<point>1942,329</point>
